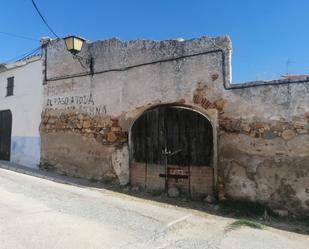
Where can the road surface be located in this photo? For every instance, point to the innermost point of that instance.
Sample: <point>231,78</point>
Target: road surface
<point>40,214</point>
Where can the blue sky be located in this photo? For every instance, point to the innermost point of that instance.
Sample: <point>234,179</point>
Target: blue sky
<point>266,34</point>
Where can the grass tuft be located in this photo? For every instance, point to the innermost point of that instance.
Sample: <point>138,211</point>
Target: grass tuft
<point>244,222</point>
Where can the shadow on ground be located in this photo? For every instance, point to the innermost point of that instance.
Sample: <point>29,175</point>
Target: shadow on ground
<point>231,209</point>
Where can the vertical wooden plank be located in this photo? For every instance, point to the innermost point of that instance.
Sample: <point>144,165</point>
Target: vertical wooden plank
<point>155,183</point>
<point>149,142</point>
<point>173,135</point>
<point>143,127</point>
<point>208,142</point>
<point>154,135</point>
<point>183,144</point>
<point>201,140</point>
<point>176,137</point>
<point>183,139</point>
<point>161,135</point>
<point>192,118</point>
<point>168,135</point>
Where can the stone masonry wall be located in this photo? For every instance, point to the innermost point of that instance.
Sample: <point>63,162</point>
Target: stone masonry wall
<point>263,139</point>
<point>87,118</point>
<point>262,128</point>
<point>100,131</point>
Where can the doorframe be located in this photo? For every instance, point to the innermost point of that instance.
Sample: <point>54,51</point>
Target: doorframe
<point>210,114</point>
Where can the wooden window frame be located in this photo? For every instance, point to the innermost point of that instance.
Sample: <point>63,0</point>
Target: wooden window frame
<point>10,87</point>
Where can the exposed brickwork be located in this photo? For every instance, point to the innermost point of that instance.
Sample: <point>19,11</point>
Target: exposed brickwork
<point>199,97</point>
<point>200,181</point>
<point>137,174</point>
<point>183,183</point>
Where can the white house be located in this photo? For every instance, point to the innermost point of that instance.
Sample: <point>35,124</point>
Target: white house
<point>20,111</point>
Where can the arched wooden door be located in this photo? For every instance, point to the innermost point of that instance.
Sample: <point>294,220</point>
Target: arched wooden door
<point>173,147</point>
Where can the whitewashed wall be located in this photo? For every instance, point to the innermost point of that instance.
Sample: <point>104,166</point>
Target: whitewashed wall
<point>26,107</point>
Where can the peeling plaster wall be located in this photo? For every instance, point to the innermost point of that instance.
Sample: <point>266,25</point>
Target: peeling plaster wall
<point>264,145</point>
<point>262,131</point>
<point>98,110</point>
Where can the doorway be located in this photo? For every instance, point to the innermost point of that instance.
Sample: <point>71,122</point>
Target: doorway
<point>172,146</point>
<point>5,134</point>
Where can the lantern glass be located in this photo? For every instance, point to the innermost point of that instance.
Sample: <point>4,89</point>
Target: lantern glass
<point>74,44</point>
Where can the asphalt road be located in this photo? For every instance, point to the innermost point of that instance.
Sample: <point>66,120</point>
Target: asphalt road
<point>40,214</point>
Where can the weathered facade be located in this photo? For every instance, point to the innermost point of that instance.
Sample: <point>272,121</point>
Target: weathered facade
<point>93,123</point>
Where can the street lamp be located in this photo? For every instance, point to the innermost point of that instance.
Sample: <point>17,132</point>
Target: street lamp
<point>74,45</point>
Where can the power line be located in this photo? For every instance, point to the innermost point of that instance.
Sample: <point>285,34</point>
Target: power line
<point>18,36</point>
<point>25,55</point>
<point>47,25</point>
<point>31,53</point>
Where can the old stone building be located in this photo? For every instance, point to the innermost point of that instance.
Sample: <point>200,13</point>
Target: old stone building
<point>161,114</point>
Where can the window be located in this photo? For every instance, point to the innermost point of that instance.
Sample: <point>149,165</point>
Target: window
<point>10,86</point>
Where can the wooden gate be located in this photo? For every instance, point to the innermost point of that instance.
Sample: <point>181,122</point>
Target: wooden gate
<point>5,134</point>
<point>173,147</point>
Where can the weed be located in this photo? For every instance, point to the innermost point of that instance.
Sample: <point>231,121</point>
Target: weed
<point>244,222</point>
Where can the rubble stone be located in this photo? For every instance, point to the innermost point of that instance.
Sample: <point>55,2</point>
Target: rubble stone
<point>86,124</point>
<point>281,212</point>
<point>301,131</point>
<point>173,192</point>
<point>209,199</point>
<point>288,134</point>
<point>269,135</point>
<point>111,137</point>
<point>115,129</point>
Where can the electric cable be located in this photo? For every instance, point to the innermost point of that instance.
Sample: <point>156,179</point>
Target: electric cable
<point>32,53</point>
<point>40,14</point>
<point>25,55</point>
<point>18,36</point>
